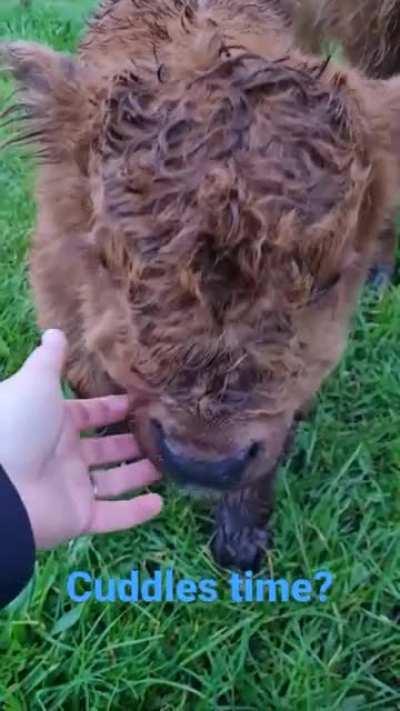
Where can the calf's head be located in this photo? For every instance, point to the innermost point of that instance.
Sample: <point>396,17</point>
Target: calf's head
<point>232,220</point>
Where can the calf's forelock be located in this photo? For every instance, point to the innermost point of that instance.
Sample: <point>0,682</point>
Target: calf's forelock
<point>231,199</point>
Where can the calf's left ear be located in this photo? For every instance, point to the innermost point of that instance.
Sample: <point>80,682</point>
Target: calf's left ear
<point>52,104</point>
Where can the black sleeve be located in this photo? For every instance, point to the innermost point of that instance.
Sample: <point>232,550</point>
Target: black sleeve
<point>17,547</point>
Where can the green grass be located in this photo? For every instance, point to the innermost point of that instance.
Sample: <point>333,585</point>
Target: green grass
<point>338,509</point>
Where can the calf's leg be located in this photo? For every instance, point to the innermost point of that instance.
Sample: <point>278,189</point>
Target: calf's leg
<point>241,536</point>
<point>384,260</point>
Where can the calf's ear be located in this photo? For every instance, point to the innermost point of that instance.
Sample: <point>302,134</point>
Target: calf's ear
<point>51,107</point>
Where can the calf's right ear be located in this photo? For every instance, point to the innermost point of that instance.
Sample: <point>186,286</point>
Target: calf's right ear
<point>52,105</point>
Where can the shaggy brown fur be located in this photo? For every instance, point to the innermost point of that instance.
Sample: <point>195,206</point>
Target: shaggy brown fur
<point>210,199</point>
<point>368,31</point>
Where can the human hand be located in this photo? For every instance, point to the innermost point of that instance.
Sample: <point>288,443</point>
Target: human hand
<point>49,464</point>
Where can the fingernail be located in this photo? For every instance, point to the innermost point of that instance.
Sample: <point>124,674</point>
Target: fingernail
<point>52,336</point>
<point>120,402</point>
<point>155,503</point>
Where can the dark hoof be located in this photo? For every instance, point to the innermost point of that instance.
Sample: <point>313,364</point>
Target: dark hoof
<point>380,276</point>
<point>243,548</point>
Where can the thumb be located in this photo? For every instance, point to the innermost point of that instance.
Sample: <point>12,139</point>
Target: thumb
<point>51,355</point>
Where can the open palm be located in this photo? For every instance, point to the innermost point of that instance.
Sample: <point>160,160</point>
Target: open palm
<point>56,472</point>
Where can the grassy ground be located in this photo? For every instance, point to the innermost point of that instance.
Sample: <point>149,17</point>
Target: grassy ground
<point>338,509</point>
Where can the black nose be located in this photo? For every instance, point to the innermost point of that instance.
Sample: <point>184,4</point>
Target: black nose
<point>214,473</point>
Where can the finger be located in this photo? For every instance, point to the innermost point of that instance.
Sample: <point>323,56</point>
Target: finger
<point>114,482</point>
<point>119,515</point>
<point>51,355</point>
<point>98,412</point>
<point>108,450</point>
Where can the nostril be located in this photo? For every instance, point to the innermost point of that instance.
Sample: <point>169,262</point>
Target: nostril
<point>254,450</point>
<point>157,427</point>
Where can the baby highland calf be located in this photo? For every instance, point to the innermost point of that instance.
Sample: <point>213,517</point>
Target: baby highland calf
<point>210,201</point>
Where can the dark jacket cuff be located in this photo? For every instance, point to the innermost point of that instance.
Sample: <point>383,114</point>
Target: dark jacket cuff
<point>17,546</point>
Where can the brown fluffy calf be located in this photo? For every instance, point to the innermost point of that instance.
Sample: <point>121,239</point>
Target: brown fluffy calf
<point>210,199</point>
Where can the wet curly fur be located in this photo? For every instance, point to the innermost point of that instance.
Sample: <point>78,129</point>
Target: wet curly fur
<point>187,178</point>
<point>210,201</point>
